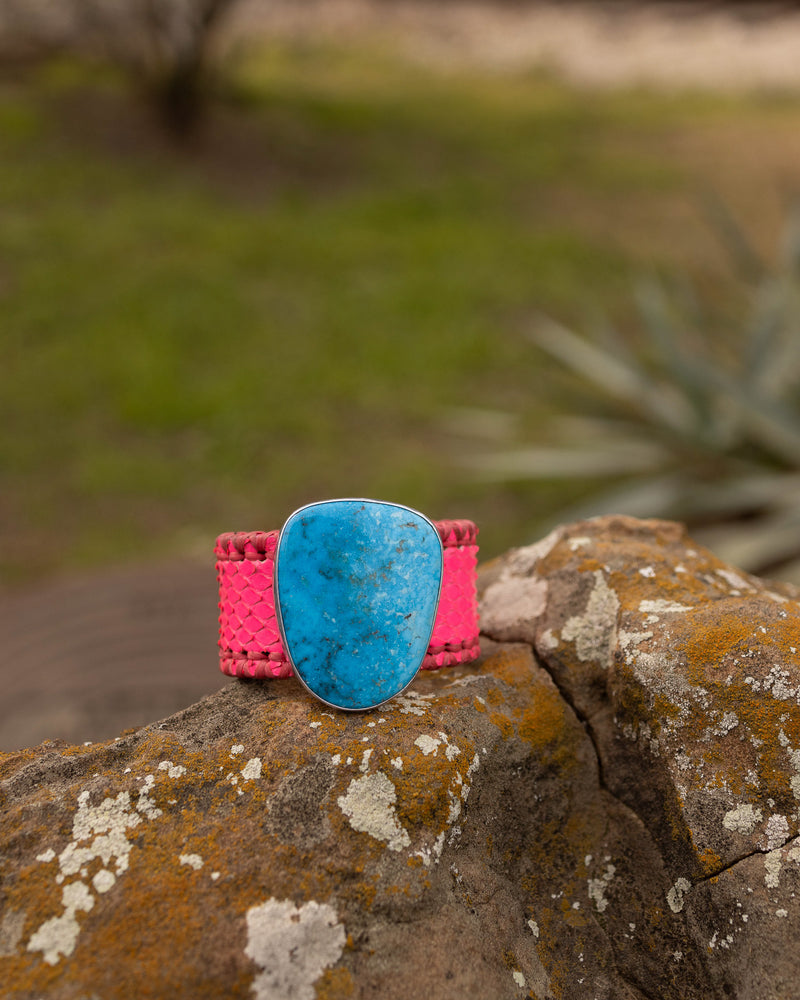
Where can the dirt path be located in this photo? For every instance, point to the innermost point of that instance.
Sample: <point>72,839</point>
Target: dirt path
<point>86,657</point>
<point>594,44</point>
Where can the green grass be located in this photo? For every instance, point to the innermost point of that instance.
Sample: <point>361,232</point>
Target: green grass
<point>196,341</point>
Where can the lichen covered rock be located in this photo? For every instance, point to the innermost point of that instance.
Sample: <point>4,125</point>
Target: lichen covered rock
<point>686,675</point>
<point>606,805</point>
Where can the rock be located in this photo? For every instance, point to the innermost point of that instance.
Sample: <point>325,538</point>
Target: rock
<point>605,805</point>
<point>686,676</point>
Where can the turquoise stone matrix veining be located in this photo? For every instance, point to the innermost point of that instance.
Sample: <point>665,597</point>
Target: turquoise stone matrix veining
<point>357,585</point>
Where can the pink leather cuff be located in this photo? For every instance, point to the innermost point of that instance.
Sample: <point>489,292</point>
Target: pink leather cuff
<point>249,637</point>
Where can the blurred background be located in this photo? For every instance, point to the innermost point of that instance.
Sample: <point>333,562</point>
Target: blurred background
<point>515,261</point>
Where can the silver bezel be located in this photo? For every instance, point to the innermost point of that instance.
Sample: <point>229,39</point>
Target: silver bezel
<point>276,592</point>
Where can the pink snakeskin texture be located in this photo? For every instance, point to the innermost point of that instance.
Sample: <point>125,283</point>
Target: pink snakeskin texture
<point>249,638</point>
<point>455,631</point>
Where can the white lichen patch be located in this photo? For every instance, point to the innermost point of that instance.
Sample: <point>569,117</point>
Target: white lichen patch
<point>58,935</point>
<point>429,854</point>
<point>677,894</point>
<point>252,769</point>
<point>98,833</point>
<point>743,819</point>
<point>647,571</point>
<point>519,979</point>
<point>534,927</point>
<point>728,722</point>
<point>458,682</point>
<point>144,803</point>
<point>641,732</point>
<point>776,832</point>
<point>236,749</point>
<point>661,673</point>
<point>594,632</point>
<point>369,805</point>
<point>451,751</point>
<point>364,765</point>
<point>549,640</point>
<point>428,744</point>
<point>397,763</point>
<point>473,767</point>
<point>628,639</point>
<point>718,941</point>
<point>410,703</point>
<point>772,869</point>
<point>103,880</point>
<point>454,810</point>
<point>597,887</point>
<point>777,683</point>
<point>734,580</point>
<point>292,946</point>
<point>173,770</point>
<point>663,607</point>
<point>794,761</point>
<point>191,860</point>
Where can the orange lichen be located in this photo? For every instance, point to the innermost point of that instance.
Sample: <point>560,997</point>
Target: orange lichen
<point>543,722</point>
<point>713,637</point>
<point>510,960</point>
<point>710,860</point>
<point>503,724</point>
<point>335,984</point>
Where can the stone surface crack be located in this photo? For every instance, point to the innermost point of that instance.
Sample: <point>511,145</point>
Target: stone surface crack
<point>744,857</point>
<point>585,722</point>
<point>586,725</point>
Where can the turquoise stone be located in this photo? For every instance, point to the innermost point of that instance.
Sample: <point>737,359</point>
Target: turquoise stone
<point>357,587</point>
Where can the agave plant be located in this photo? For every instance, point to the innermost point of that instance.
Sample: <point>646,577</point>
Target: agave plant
<point>693,422</point>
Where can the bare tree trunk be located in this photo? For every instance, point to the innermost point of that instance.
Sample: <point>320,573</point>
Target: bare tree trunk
<point>164,46</point>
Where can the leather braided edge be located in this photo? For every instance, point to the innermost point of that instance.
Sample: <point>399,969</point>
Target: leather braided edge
<point>236,545</point>
<point>451,653</point>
